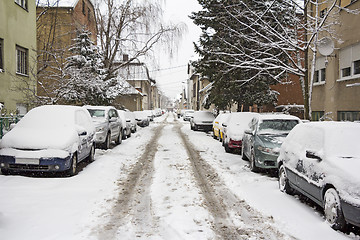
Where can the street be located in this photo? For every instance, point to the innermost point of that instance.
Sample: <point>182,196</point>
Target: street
<point>165,182</point>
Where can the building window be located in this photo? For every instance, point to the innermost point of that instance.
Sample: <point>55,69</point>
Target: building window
<point>320,71</point>
<point>21,60</point>
<point>83,7</point>
<point>349,61</point>
<point>22,3</point>
<point>356,67</point>
<point>348,116</point>
<point>317,115</point>
<point>1,55</point>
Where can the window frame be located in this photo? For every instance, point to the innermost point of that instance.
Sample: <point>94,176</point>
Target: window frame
<point>348,116</point>
<point>22,3</point>
<point>22,61</point>
<point>348,57</point>
<point>320,72</point>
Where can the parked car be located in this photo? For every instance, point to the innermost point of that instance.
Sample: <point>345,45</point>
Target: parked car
<point>142,118</point>
<point>49,139</point>
<point>188,114</point>
<point>131,117</point>
<point>150,114</point>
<point>233,129</point>
<point>202,120</point>
<point>218,125</point>
<point>321,160</point>
<point>261,143</point>
<point>126,123</point>
<point>108,125</point>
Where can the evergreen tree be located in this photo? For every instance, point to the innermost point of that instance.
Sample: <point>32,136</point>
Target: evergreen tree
<point>227,49</point>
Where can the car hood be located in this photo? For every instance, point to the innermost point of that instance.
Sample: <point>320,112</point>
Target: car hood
<point>271,141</point>
<point>37,139</point>
<point>236,133</point>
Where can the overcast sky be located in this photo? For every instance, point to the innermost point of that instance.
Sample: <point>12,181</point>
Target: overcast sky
<point>174,72</point>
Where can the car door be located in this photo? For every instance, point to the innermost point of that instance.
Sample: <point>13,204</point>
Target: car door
<point>114,123</point>
<point>85,138</point>
<point>308,177</point>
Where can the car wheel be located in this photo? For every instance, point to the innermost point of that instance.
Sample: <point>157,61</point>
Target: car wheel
<point>119,138</point>
<point>243,156</point>
<point>253,166</point>
<point>107,142</point>
<point>284,185</point>
<point>129,134</point>
<point>227,149</point>
<point>195,127</point>
<point>73,166</point>
<point>332,209</point>
<point>91,156</point>
<point>124,134</point>
<point>6,172</point>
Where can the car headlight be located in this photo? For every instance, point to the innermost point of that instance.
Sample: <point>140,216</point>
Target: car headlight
<point>100,128</point>
<point>265,149</point>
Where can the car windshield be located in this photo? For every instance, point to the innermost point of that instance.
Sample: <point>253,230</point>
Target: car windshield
<point>277,126</point>
<point>98,113</point>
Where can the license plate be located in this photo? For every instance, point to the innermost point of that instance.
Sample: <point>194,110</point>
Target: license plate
<point>32,161</point>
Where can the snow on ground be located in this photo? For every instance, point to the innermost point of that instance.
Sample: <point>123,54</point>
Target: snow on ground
<point>261,192</point>
<point>71,208</point>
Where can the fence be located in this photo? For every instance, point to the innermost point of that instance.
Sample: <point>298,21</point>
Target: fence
<point>5,123</point>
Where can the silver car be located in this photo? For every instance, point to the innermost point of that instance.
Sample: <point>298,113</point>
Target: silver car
<point>108,125</point>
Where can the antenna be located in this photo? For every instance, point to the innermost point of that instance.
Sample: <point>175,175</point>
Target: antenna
<point>326,46</point>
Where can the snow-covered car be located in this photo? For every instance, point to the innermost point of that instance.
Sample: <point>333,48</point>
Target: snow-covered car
<point>322,160</point>
<point>126,123</point>
<point>233,129</point>
<point>130,116</point>
<point>188,114</point>
<point>150,114</point>
<point>108,125</point>
<point>142,118</point>
<point>49,139</point>
<point>218,125</point>
<point>202,120</point>
<point>261,143</point>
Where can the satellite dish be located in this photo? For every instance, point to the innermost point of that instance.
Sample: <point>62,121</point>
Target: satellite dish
<point>326,46</point>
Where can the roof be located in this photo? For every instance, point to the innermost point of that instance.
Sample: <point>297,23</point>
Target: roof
<point>58,3</point>
<point>135,72</point>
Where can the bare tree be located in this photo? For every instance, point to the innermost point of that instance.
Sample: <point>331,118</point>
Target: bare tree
<point>131,28</point>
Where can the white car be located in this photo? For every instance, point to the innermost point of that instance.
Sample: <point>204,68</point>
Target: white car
<point>108,125</point>
<point>188,114</point>
<point>321,160</point>
<point>202,120</point>
<point>126,123</point>
<point>130,116</point>
<point>49,139</point>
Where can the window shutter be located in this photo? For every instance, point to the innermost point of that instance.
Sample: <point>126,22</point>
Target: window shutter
<point>356,52</point>
<point>345,58</point>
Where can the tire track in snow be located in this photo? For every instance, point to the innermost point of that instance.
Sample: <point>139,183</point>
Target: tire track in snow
<point>232,218</point>
<point>134,195</point>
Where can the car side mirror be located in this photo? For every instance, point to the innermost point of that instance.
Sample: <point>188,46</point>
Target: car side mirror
<point>313,155</point>
<point>224,125</point>
<point>128,120</point>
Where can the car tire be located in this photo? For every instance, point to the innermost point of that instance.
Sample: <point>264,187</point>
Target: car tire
<point>195,127</point>
<point>6,172</point>
<point>253,166</point>
<point>227,149</point>
<point>124,134</point>
<point>332,210</point>
<point>106,144</point>
<point>243,156</point>
<point>119,138</point>
<point>73,166</point>
<point>91,156</point>
<point>284,185</point>
<point>129,134</point>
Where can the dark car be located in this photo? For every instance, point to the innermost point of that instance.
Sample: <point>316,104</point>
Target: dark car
<point>202,120</point>
<point>321,160</point>
<point>261,143</point>
<point>49,139</point>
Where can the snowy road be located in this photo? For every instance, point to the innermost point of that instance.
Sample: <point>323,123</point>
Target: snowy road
<point>165,182</point>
